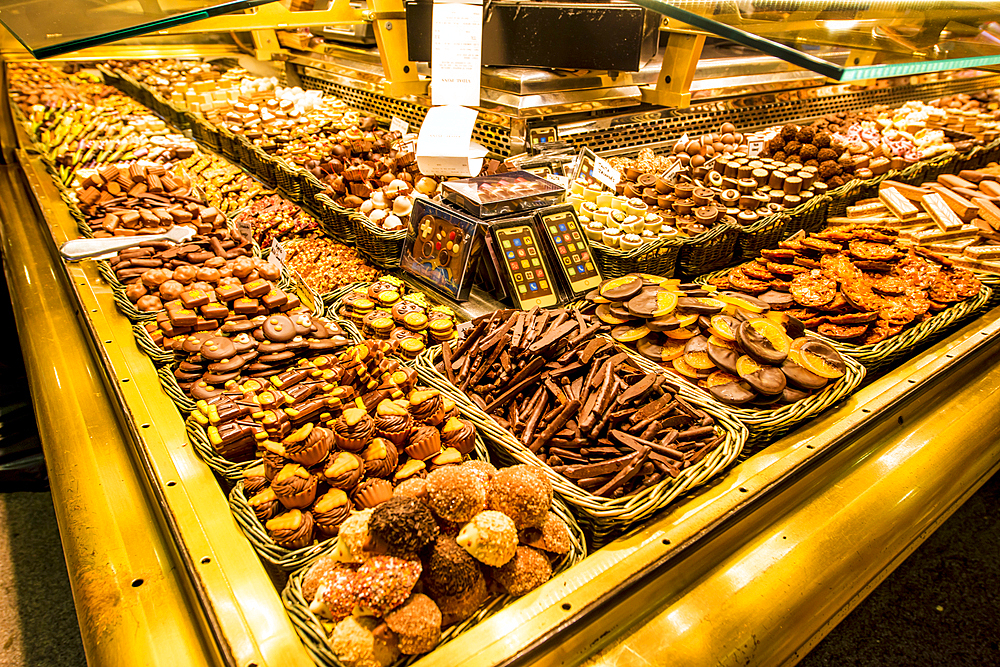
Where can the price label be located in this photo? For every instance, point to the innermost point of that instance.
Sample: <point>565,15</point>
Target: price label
<point>399,125</point>
<point>605,173</point>
<point>245,228</point>
<point>277,256</point>
<point>754,148</point>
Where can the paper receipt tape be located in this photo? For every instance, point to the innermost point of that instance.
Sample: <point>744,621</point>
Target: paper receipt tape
<point>445,146</point>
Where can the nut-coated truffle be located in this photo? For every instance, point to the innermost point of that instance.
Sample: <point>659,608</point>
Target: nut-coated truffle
<point>384,582</point>
<point>449,569</point>
<point>353,642</point>
<point>417,624</point>
<point>403,526</point>
<point>527,570</point>
<point>523,493</point>
<point>455,493</point>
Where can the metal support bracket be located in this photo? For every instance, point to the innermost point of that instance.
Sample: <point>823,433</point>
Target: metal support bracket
<point>680,60</point>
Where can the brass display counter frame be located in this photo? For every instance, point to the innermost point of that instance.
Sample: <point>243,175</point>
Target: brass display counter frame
<point>754,569</point>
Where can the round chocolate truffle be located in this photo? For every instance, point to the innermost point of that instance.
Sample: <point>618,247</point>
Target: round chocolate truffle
<point>527,570</point>
<point>403,525</point>
<point>449,569</point>
<point>417,624</point>
<point>355,644</point>
<point>455,493</point>
<point>523,493</point>
<point>336,596</point>
<point>457,608</point>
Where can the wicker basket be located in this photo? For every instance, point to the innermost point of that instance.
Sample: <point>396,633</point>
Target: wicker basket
<point>280,557</point>
<point>227,144</point>
<point>992,281</point>
<point>765,233</point>
<point>880,356</point>
<point>156,354</point>
<point>810,216</point>
<point>170,387</point>
<point>602,518</point>
<point>766,426</point>
<point>225,468</point>
<point>285,178</point>
<point>338,222</point>
<point>203,131</point>
<point>658,257</point>
<point>262,166</point>
<point>314,636</point>
<point>380,247</point>
<point>927,170</point>
<point>852,192</point>
<point>712,250</point>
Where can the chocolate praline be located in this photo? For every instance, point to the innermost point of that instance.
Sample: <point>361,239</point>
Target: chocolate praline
<point>523,493</point>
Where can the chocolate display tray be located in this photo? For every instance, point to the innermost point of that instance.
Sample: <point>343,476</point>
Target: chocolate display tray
<point>502,194</point>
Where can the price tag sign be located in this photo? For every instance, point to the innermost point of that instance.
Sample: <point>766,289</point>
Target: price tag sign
<point>277,256</point>
<point>456,53</point>
<point>754,148</point>
<point>605,173</point>
<point>245,228</point>
<point>399,125</point>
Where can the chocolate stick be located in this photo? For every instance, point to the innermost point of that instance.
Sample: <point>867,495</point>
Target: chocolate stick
<point>492,358</point>
<point>536,414</point>
<point>626,474</point>
<point>568,410</point>
<point>472,337</point>
<point>446,355</point>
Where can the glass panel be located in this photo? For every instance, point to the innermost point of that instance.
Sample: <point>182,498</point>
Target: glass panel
<point>885,38</point>
<point>53,27</point>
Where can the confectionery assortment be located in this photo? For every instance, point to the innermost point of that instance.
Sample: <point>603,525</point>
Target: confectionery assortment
<point>362,167</point>
<point>340,439</point>
<point>431,556</point>
<point>388,309</point>
<point>732,344</point>
<point>225,186</point>
<point>956,216</point>
<point>219,267</point>
<point>858,284</point>
<point>576,402</point>
<point>135,199</point>
<point>325,265</point>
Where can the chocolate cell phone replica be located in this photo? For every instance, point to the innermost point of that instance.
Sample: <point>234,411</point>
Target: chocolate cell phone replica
<point>570,249</point>
<point>442,248</point>
<point>523,263</point>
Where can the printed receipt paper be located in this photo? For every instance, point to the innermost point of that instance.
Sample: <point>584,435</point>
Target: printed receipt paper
<point>445,146</point>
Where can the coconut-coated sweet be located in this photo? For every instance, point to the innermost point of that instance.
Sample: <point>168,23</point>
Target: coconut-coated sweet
<point>490,537</point>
